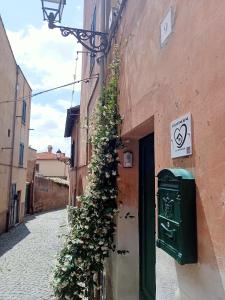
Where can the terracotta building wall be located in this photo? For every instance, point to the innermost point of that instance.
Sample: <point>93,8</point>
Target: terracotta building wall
<point>158,85</point>
<point>90,91</point>
<point>49,195</point>
<point>89,94</point>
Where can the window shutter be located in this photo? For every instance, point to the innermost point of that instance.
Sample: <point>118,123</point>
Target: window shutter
<point>72,155</point>
<point>24,111</point>
<point>21,154</point>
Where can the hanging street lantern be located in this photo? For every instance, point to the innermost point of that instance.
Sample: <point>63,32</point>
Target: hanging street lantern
<point>52,10</point>
<point>93,41</point>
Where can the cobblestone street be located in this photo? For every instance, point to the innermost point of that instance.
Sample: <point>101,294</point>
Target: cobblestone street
<point>27,256</point>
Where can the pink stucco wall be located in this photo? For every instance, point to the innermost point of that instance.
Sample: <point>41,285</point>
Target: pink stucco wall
<point>158,85</point>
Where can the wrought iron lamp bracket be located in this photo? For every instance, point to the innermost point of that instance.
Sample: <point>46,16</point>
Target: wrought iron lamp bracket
<point>94,41</point>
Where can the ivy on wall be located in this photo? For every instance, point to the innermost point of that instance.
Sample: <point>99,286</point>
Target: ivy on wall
<point>91,237</point>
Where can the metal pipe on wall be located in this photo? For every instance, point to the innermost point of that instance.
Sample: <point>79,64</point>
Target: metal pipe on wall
<point>102,58</point>
<point>12,152</point>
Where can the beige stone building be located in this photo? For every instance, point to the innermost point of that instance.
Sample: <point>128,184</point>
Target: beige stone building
<point>50,164</point>
<point>15,101</point>
<point>172,67</point>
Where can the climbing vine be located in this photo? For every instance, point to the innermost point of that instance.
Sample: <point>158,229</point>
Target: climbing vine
<point>91,236</point>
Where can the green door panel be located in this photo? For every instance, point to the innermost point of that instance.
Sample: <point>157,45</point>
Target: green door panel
<point>147,218</point>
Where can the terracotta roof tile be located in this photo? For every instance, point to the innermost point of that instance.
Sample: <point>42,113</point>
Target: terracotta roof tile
<point>49,156</point>
<point>46,156</point>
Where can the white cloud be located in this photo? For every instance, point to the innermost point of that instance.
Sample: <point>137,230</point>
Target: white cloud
<point>48,60</point>
<point>46,54</point>
<point>63,103</point>
<point>49,125</point>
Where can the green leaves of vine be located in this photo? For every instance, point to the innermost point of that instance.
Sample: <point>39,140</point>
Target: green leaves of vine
<point>90,239</point>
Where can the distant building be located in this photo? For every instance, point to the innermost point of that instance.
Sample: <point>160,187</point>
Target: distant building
<point>31,161</point>
<point>49,193</point>
<point>44,191</point>
<point>49,165</point>
<point>15,103</point>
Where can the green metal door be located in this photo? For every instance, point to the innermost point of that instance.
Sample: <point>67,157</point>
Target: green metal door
<point>147,218</point>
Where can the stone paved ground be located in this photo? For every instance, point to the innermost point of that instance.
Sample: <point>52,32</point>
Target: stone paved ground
<point>27,256</point>
<point>166,276</point>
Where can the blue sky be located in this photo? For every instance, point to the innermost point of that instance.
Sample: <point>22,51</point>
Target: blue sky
<point>47,60</point>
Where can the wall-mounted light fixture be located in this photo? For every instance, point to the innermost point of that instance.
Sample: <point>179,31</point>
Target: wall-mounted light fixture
<point>127,159</point>
<point>94,41</point>
<point>53,8</point>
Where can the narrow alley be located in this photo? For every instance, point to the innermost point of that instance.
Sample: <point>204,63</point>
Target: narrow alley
<point>27,256</point>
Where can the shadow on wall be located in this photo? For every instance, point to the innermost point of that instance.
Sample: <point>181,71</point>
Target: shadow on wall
<point>202,280</point>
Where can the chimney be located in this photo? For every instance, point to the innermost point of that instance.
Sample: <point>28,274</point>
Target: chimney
<point>49,148</point>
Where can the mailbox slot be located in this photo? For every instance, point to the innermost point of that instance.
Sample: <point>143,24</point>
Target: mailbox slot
<point>177,215</point>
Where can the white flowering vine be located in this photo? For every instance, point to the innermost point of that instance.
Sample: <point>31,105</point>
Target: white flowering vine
<point>91,237</point>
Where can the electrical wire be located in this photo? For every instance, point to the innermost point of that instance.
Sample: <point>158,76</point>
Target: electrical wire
<point>75,73</point>
<point>85,80</point>
<point>74,78</point>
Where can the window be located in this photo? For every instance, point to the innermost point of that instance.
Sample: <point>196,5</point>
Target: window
<point>93,28</point>
<point>21,154</point>
<point>24,111</point>
<point>37,167</point>
<point>72,155</point>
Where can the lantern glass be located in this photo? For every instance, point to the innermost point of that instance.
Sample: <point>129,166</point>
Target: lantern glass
<point>53,9</point>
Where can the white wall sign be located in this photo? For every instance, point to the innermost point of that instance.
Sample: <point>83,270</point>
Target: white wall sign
<point>166,27</point>
<point>181,143</point>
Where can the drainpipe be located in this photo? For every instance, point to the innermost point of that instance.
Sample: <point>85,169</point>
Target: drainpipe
<point>12,152</point>
<point>76,153</point>
<point>32,190</point>
<point>101,59</point>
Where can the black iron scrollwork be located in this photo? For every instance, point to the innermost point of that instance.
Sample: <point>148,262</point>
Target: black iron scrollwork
<point>94,41</point>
